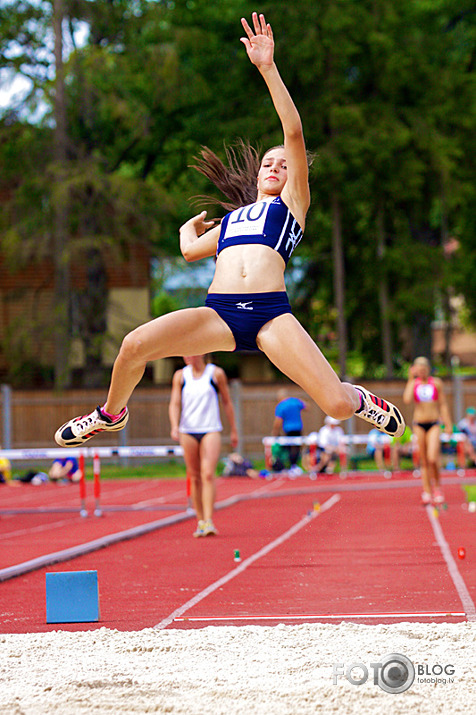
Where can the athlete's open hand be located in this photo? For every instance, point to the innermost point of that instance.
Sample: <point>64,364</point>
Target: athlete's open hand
<point>198,223</point>
<point>260,43</point>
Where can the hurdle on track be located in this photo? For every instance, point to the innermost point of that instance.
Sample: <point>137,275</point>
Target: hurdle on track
<point>348,441</point>
<point>96,453</point>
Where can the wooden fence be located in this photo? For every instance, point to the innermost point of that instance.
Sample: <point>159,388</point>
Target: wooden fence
<point>31,417</point>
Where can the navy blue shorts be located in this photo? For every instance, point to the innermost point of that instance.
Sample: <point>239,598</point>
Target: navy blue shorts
<point>245,314</point>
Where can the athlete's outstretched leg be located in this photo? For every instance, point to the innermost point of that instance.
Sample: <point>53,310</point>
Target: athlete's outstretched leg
<point>193,331</point>
<point>293,351</point>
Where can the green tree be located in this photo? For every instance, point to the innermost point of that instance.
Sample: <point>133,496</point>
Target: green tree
<point>386,93</point>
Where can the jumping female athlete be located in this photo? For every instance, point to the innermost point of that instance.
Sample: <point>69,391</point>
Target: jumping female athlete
<point>247,306</point>
<point>194,414</point>
<point>431,408</point>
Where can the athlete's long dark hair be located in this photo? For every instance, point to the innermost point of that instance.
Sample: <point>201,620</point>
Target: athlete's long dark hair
<point>237,180</point>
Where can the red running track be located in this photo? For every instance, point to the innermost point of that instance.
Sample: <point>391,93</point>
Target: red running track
<point>373,551</point>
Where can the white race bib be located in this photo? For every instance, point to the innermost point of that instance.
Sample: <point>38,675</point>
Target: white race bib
<point>247,220</point>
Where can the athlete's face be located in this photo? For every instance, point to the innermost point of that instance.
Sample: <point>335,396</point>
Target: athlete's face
<point>421,370</point>
<point>273,172</point>
<point>195,361</point>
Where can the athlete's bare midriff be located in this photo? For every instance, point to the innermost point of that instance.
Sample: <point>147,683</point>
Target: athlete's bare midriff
<point>251,268</point>
<point>426,412</point>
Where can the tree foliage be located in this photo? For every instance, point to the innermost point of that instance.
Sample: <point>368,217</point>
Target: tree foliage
<point>386,94</point>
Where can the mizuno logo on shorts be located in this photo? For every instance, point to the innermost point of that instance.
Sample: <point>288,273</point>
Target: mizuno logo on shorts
<point>245,306</point>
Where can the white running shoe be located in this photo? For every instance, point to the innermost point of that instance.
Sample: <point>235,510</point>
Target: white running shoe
<point>381,414</point>
<point>426,498</point>
<point>209,528</point>
<point>200,530</point>
<point>78,430</point>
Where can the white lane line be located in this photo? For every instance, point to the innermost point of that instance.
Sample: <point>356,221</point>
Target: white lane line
<point>159,500</point>
<point>86,548</point>
<point>33,529</point>
<point>270,486</point>
<point>463,593</point>
<point>324,616</point>
<point>247,562</point>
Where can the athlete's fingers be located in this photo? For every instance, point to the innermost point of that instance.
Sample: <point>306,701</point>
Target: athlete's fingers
<point>246,43</point>
<point>256,23</point>
<point>263,26</point>
<point>247,28</point>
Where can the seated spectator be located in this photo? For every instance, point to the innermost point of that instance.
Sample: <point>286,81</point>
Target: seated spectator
<point>33,477</point>
<point>401,447</point>
<point>468,427</point>
<point>65,469</point>
<point>311,454</point>
<point>5,470</point>
<point>330,439</point>
<point>238,466</point>
<point>376,441</point>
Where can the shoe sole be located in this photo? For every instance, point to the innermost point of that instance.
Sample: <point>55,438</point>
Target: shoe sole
<point>80,440</point>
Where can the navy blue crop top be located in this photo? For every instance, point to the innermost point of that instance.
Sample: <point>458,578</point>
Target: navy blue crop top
<point>269,223</point>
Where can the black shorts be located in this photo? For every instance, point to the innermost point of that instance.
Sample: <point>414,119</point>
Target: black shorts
<point>245,314</point>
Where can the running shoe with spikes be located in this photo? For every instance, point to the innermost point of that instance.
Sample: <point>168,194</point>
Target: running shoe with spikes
<point>438,496</point>
<point>78,430</point>
<point>381,414</point>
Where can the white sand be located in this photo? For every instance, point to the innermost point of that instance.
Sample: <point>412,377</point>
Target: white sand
<point>226,670</point>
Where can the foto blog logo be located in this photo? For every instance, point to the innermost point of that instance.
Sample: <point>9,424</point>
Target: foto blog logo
<point>394,673</point>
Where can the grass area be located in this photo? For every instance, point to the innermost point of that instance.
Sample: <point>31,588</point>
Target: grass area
<point>367,464</point>
<point>171,469</point>
<point>153,470</point>
<point>470,490</point>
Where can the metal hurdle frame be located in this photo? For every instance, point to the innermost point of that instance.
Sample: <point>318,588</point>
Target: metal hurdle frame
<point>356,439</point>
<point>96,453</point>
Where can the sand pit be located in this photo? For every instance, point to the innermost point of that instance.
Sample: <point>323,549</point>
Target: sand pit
<point>283,670</point>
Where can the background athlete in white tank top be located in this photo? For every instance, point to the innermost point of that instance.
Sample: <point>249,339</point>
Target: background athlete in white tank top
<point>200,408</point>
<point>195,423</point>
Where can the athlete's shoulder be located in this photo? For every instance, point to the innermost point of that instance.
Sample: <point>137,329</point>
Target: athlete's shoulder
<point>219,375</point>
<point>177,379</point>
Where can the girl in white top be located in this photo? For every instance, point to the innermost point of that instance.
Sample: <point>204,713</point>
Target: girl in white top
<point>195,422</point>
<point>200,408</point>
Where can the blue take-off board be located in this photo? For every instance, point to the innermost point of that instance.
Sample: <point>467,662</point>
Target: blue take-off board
<point>72,597</point>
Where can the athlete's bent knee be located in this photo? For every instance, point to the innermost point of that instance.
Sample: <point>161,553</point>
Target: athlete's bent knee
<point>341,408</point>
<point>132,347</point>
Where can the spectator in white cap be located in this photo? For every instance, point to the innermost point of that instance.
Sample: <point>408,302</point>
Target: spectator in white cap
<point>330,438</point>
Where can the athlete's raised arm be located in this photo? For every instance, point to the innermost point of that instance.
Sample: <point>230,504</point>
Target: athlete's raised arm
<point>259,44</point>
